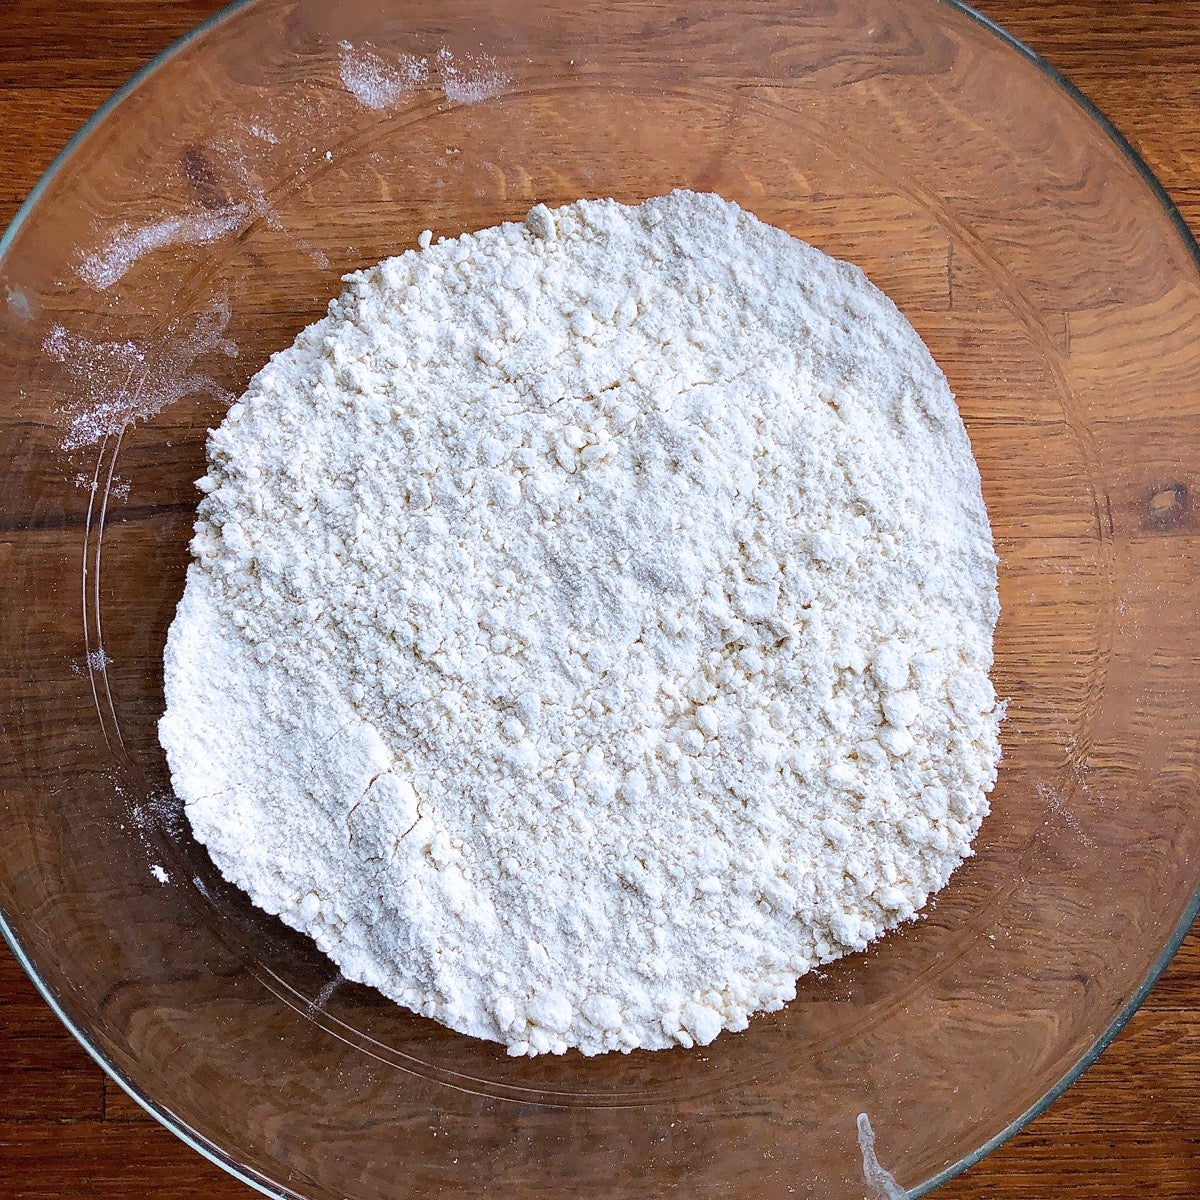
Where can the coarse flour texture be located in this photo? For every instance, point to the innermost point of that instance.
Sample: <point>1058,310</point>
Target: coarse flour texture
<point>589,627</point>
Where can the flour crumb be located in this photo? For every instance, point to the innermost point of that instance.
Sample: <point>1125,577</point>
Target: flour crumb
<point>98,660</point>
<point>160,874</point>
<point>589,627</point>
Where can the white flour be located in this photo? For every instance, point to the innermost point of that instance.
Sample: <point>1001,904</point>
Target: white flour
<point>107,266</point>
<point>590,627</point>
<point>120,383</point>
<point>470,80</point>
<point>376,82</point>
<point>880,1181</point>
<point>379,82</point>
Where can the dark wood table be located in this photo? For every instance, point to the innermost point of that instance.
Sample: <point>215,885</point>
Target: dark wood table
<point>1128,1128</point>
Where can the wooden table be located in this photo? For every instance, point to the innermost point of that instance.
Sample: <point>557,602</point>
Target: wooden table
<point>1129,1127</point>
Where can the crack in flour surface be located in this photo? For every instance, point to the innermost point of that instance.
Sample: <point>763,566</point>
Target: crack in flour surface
<point>589,627</point>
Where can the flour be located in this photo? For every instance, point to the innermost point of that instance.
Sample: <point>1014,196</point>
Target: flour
<point>380,82</point>
<point>117,384</point>
<point>376,82</point>
<point>105,267</point>
<point>589,628</point>
<point>471,79</point>
<point>881,1182</point>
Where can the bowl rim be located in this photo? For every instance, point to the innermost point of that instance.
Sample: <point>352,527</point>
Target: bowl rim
<point>213,1152</point>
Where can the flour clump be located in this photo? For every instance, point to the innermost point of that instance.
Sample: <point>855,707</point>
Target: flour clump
<point>589,627</point>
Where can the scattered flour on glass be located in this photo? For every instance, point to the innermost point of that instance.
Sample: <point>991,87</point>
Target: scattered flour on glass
<point>471,79</point>
<point>18,303</point>
<point>881,1182</point>
<point>118,489</point>
<point>589,627</point>
<point>98,660</point>
<point>246,179</point>
<point>1059,804</point>
<point>379,82</point>
<point>323,997</point>
<point>158,811</point>
<point>105,267</point>
<point>117,383</point>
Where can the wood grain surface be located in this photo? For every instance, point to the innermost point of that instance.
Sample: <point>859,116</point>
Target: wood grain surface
<point>1128,1128</point>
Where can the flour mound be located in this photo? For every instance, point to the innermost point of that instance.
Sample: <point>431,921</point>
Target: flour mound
<point>589,627</point>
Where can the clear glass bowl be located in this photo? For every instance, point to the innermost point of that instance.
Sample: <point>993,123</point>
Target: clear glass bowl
<point>205,216</point>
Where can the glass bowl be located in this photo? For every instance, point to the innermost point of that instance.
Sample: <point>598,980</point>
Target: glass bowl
<point>204,217</point>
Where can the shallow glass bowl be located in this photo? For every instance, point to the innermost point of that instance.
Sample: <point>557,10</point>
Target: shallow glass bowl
<point>205,217</point>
